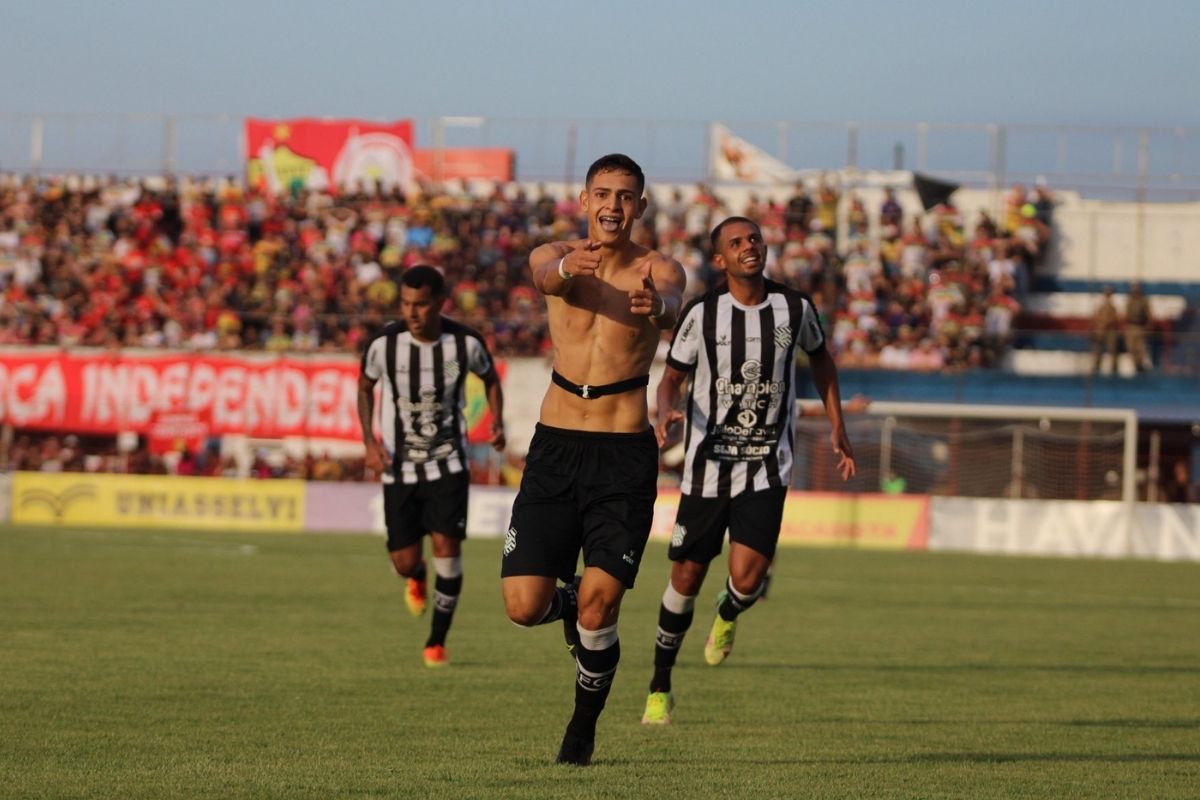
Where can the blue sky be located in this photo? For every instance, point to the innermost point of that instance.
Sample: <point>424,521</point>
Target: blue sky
<point>1016,61</point>
<point>1094,63</point>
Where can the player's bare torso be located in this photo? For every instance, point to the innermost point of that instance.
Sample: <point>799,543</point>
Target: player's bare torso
<point>597,341</point>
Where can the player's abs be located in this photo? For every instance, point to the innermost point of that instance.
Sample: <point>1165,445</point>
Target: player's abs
<point>598,355</point>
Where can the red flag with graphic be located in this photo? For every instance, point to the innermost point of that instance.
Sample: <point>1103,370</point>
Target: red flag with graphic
<point>290,154</point>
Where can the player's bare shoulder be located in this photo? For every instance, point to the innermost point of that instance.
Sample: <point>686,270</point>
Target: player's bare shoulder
<point>666,271</point>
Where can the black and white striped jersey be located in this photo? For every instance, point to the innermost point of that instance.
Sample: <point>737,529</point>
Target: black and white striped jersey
<point>421,397</point>
<point>739,411</point>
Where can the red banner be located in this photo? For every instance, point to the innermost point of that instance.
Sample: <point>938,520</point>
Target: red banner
<point>483,163</point>
<point>171,397</point>
<point>289,153</point>
<point>269,397</point>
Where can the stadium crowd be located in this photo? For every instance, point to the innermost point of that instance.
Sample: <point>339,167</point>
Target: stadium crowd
<point>210,265</point>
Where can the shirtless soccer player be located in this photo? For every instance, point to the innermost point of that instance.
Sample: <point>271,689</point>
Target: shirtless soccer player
<point>591,473</point>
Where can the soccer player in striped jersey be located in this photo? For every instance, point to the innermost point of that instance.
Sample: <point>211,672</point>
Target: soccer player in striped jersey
<point>590,478</point>
<point>422,361</point>
<point>737,343</point>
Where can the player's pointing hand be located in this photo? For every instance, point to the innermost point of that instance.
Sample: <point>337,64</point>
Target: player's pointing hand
<point>646,301</point>
<point>582,259</point>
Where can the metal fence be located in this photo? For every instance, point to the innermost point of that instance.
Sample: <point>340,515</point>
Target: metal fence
<point>1152,163</point>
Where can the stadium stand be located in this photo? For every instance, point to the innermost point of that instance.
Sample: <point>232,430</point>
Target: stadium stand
<point>209,265</point>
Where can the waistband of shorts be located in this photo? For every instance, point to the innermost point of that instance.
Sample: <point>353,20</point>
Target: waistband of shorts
<point>593,436</point>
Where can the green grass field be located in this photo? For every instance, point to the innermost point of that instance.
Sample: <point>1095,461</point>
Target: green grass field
<point>179,665</point>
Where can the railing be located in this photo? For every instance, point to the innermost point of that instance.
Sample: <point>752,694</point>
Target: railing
<point>1151,163</point>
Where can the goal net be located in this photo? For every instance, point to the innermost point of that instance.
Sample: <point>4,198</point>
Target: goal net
<point>961,450</point>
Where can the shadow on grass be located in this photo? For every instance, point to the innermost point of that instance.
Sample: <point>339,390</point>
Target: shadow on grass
<point>1120,722</point>
<point>929,758</point>
<point>1005,758</point>
<point>1097,669</point>
<point>1177,724</point>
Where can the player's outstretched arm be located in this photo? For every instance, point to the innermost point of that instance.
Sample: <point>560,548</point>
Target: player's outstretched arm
<point>556,264</point>
<point>825,376</point>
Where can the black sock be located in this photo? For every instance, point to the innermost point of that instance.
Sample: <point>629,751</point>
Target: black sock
<point>418,573</point>
<point>731,606</point>
<point>593,681</point>
<point>671,629</point>
<point>570,615</point>
<point>445,599</point>
<point>564,605</point>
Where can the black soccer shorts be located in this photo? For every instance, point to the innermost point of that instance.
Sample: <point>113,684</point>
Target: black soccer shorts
<point>411,510</point>
<point>752,519</point>
<point>583,490</point>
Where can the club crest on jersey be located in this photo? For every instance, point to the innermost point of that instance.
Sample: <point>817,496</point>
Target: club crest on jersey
<point>451,370</point>
<point>783,335</point>
<point>510,541</point>
<point>677,535</point>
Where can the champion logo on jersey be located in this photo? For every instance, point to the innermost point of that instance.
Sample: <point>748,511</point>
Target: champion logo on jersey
<point>783,335</point>
<point>677,535</point>
<point>510,541</point>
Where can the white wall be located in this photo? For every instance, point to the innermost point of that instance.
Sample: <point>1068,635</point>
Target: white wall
<point>1098,528</point>
<point>1100,241</point>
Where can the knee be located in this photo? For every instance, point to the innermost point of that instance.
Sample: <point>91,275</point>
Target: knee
<point>525,608</point>
<point>596,613</point>
<point>687,577</point>
<point>748,579</point>
<point>404,562</point>
<point>523,614</point>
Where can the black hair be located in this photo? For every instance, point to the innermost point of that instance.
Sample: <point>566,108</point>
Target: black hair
<point>419,276</point>
<point>616,162</point>
<point>715,236</point>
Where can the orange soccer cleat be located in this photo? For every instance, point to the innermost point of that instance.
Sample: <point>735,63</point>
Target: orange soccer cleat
<point>435,656</point>
<point>414,596</point>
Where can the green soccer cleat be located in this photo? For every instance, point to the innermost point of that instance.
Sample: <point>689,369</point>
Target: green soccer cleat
<point>658,708</point>
<point>719,644</point>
